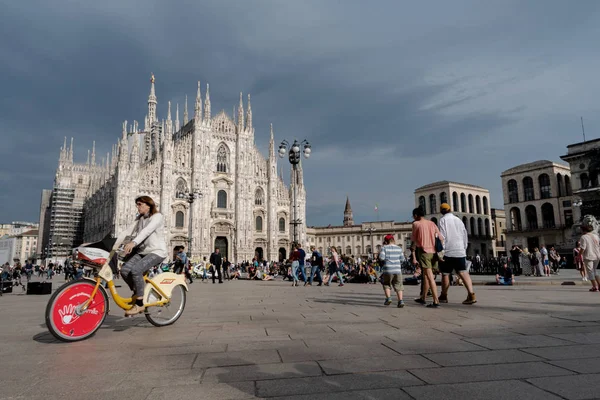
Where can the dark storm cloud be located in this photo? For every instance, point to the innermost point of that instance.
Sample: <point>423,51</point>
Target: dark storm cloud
<point>417,92</point>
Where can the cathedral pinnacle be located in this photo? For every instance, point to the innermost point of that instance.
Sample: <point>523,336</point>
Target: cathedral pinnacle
<point>198,105</point>
<point>93,161</point>
<point>152,102</point>
<point>169,112</point>
<point>207,104</point>
<point>241,114</point>
<point>249,115</point>
<point>272,144</point>
<point>185,112</point>
<point>177,118</point>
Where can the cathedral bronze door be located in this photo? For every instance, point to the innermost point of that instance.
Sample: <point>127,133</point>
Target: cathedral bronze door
<point>222,245</point>
<point>259,253</point>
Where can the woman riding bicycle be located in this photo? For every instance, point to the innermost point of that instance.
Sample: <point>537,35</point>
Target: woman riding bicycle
<point>146,249</point>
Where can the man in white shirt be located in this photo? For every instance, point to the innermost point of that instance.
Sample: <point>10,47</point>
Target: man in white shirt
<point>455,253</point>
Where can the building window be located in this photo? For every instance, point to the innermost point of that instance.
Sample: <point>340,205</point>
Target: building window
<point>548,216</point>
<point>478,204</point>
<point>348,238</point>
<point>485,206</point>
<point>568,190</point>
<point>281,224</point>
<point>463,203</point>
<point>422,204</point>
<point>513,191</point>
<point>222,199</point>
<point>179,219</point>
<point>455,202</point>
<point>568,218</point>
<point>545,186</point>
<point>320,240</point>
<point>339,239</point>
<point>348,250</point>
<point>443,198</point>
<point>585,181</point>
<point>471,208</point>
<point>432,204</point>
<point>259,197</point>
<point>528,190</point>
<point>531,217</point>
<point>259,223</point>
<point>80,179</point>
<point>222,158</point>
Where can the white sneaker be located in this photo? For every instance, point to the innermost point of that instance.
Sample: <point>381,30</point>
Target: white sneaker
<point>584,279</point>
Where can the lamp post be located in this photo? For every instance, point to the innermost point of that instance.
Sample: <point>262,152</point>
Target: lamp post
<point>370,230</point>
<point>189,197</point>
<point>294,158</point>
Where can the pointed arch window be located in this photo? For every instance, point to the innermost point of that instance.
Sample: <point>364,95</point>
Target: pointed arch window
<point>222,159</point>
<point>259,224</point>
<point>259,197</point>
<point>181,186</point>
<point>281,224</point>
<point>222,199</point>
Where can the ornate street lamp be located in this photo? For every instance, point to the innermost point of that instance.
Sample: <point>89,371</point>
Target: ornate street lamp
<point>294,158</point>
<point>189,196</point>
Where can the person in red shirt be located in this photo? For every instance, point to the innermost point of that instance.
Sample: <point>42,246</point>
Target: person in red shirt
<point>424,233</point>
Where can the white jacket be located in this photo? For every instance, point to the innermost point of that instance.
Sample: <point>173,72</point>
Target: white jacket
<point>455,236</point>
<point>152,235</point>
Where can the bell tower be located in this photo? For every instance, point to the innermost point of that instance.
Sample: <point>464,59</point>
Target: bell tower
<point>348,219</point>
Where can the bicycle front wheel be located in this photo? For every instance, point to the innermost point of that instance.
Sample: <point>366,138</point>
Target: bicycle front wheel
<point>62,317</point>
<point>169,313</point>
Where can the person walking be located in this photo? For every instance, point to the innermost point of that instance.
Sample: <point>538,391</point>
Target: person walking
<point>578,261</point>
<point>455,253</point>
<point>316,264</point>
<point>334,267</point>
<point>216,261</point>
<point>392,258</point>
<point>424,233</point>
<point>295,259</point>
<point>590,252</point>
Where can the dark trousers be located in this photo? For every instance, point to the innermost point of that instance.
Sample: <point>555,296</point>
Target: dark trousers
<point>226,273</point>
<point>217,272</point>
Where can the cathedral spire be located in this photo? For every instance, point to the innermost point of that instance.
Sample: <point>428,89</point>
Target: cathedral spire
<point>185,112</point>
<point>93,161</point>
<point>169,113</point>
<point>177,127</point>
<point>198,105</point>
<point>152,102</point>
<point>241,114</point>
<point>71,151</point>
<point>88,159</point>
<point>272,144</point>
<point>124,131</point>
<point>207,104</point>
<point>249,115</point>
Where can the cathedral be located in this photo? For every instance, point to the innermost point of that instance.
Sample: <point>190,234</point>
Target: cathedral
<point>242,205</point>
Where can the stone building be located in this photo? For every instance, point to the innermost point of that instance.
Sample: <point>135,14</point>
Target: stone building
<point>537,199</point>
<point>584,163</point>
<point>499,230</point>
<point>470,203</point>
<point>19,247</point>
<point>244,206</point>
<point>359,240</point>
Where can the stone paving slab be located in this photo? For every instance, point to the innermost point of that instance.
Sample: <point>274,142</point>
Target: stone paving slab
<point>326,343</point>
<point>377,394</point>
<point>577,387</point>
<point>374,364</point>
<point>261,372</point>
<point>566,352</point>
<point>517,342</point>
<point>481,357</point>
<point>488,372</point>
<point>502,390</point>
<point>336,383</point>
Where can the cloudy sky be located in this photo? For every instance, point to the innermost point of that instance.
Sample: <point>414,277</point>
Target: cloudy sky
<point>392,94</point>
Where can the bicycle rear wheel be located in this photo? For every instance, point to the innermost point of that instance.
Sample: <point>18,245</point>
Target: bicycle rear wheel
<point>168,314</point>
<point>62,319</point>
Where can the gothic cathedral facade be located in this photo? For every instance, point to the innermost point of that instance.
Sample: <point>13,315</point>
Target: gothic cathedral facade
<point>244,207</point>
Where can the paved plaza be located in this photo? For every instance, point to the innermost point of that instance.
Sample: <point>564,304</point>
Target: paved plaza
<point>246,340</point>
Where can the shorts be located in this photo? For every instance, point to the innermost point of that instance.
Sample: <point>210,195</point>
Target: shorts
<point>546,262</point>
<point>503,281</point>
<point>591,267</point>
<point>426,260</point>
<point>390,281</point>
<point>458,264</point>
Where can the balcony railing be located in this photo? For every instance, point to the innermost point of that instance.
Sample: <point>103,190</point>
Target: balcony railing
<point>532,228</point>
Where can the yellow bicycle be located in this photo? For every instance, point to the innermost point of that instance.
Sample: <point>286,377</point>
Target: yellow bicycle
<point>77,309</point>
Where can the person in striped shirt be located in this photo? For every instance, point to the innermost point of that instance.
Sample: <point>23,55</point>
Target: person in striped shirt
<point>392,257</point>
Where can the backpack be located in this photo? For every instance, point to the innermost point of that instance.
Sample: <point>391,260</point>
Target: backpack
<point>534,260</point>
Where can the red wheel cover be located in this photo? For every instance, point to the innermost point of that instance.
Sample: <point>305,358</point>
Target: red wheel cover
<point>67,321</point>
